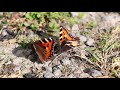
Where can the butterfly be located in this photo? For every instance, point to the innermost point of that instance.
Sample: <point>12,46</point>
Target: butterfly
<point>44,48</point>
<point>66,38</point>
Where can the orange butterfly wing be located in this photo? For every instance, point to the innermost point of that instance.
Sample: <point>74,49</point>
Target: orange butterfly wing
<point>44,48</point>
<point>64,35</point>
<point>39,50</point>
<point>66,38</point>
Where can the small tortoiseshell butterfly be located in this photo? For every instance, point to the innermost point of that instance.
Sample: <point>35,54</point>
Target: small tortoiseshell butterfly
<point>44,48</point>
<point>65,37</point>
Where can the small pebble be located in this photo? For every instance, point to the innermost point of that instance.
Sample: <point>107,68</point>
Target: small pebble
<point>48,69</point>
<point>83,38</point>
<point>66,62</point>
<point>4,32</point>
<point>19,53</point>
<point>48,75</point>
<point>85,75</point>
<point>24,71</point>
<point>29,75</point>
<point>17,68</point>
<point>93,72</point>
<point>30,57</point>
<point>90,42</point>
<point>57,73</point>
<point>27,52</point>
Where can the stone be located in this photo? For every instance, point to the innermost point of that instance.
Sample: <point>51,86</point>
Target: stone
<point>57,73</point>
<point>90,42</point>
<point>31,57</point>
<point>66,62</point>
<point>29,75</point>
<point>19,53</point>
<point>48,75</point>
<point>93,72</point>
<point>17,69</point>
<point>47,68</point>
<point>4,32</point>
<point>96,73</point>
<point>85,75</point>
<point>83,38</point>
<point>27,52</point>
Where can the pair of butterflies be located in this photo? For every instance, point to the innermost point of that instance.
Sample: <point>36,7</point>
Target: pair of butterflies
<point>44,47</point>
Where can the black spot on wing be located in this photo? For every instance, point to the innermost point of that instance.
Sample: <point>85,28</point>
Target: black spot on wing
<point>48,45</point>
<point>44,47</point>
<point>60,35</point>
<point>49,40</point>
<point>44,40</point>
<point>60,38</point>
<point>40,42</point>
<point>60,29</point>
